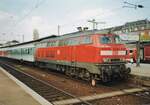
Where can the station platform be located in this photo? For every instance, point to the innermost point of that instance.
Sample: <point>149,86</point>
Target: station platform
<point>141,73</point>
<point>142,70</point>
<point>13,94</point>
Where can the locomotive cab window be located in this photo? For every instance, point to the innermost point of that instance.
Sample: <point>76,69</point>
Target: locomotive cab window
<point>117,39</point>
<point>105,39</point>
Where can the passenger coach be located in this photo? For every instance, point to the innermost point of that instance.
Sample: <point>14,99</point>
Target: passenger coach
<point>22,51</point>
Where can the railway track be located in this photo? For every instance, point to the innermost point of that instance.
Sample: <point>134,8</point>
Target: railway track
<point>47,91</point>
<point>142,95</point>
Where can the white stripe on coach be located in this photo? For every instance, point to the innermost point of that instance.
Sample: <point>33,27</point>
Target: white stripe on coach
<point>110,52</point>
<point>106,52</point>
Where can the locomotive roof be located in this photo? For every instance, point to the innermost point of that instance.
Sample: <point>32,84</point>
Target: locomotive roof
<point>68,35</point>
<point>79,33</point>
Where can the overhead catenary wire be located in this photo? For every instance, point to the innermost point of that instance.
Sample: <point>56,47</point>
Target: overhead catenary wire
<point>66,24</point>
<point>101,14</point>
<point>39,3</point>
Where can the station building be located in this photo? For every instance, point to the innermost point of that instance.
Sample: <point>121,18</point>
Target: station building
<point>133,32</point>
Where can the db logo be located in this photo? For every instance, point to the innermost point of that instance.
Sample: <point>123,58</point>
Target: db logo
<point>58,52</point>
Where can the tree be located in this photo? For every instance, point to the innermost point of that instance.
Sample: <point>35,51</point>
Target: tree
<point>35,34</point>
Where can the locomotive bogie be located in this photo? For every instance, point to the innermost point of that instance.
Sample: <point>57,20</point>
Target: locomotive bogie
<point>112,71</point>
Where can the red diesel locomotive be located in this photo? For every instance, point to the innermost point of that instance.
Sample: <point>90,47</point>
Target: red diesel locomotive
<point>90,57</point>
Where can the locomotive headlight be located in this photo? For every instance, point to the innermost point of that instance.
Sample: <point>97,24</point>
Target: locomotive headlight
<point>106,60</point>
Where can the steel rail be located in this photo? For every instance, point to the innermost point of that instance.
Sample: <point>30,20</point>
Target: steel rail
<point>10,68</point>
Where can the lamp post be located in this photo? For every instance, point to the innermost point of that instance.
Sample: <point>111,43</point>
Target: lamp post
<point>138,51</point>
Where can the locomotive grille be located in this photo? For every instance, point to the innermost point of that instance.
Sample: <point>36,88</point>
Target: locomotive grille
<point>115,60</point>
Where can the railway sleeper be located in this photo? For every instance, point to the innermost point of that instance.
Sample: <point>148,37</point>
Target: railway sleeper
<point>39,87</point>
<point>53,95</point>
<point>55,98</point>
<point>44,90</point>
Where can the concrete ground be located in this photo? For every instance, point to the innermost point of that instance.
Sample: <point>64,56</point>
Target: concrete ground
<point>12,94</point>
<point>143,70</point>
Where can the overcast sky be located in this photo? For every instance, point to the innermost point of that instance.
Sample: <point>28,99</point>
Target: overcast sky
<point>20,17</point>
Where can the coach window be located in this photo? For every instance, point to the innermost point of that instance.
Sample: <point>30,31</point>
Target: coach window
<point>16,51</point>
<point>40,44</point>
<point>23,51</point>
<point>28,51</point>
<point>43,44</point>
<point>31,50</point>
<point>86,40</point>
<point>9,51</point>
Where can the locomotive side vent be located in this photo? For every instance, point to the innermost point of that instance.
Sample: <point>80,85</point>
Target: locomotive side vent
<point>115,60</point>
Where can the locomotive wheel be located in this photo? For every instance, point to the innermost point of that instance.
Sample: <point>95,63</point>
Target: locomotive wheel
<point>67,72</point>
<point>93,82</point>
